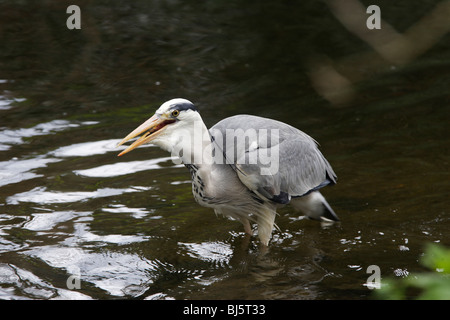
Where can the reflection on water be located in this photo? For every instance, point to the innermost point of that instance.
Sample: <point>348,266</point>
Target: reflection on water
<point>136,213</point>
<point>49,220</point>
<point>39,195</point>
<point>14,170</point>
<point>18,283</point>
<point>6,104</point>
<point>17,136</point>
<point>129,227</point>
<point>86,149</point>
<point>118,274</point>
<point>122,168</point>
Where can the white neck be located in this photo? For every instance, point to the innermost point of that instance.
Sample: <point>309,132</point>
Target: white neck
<point>194,145</point>
<point>196,149</point>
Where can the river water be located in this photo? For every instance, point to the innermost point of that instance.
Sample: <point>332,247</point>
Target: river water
<point>77,222</point>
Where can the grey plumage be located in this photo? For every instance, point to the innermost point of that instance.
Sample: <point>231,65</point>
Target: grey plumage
<point>258,165</point>
<point>302,167</point>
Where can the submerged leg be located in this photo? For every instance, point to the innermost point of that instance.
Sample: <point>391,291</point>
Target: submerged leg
<point>266,221</point>
<point>236,215</point>
<point>247,226</point>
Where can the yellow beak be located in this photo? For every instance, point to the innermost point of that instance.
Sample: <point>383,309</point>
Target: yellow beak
<point>154,126</point>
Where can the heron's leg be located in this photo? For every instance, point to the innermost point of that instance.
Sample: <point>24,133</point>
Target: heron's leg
<point>266,221</point>
<point>247,226</point>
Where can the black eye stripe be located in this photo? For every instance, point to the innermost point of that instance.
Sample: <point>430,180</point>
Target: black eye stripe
<point>183,107</point>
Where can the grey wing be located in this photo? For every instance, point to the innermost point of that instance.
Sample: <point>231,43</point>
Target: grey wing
<point>271,158</point>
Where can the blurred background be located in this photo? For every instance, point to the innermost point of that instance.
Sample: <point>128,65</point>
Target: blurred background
<point>376,100</point>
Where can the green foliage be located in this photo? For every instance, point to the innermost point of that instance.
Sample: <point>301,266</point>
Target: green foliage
<point>433,285</point>
<point>437,257</point>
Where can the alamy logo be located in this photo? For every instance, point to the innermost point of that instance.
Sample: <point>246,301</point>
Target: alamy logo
<point>74,280</point>
<point>74,20</point>
<point>374,280</point>
<point>238,147</point>
<point>374,21</point>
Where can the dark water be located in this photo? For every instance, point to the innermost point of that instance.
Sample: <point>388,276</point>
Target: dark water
<point>129,228</point>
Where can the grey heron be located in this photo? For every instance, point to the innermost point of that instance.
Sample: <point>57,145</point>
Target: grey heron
<point>245,167</point>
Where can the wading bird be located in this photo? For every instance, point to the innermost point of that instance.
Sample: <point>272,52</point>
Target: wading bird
<point>245,166</point>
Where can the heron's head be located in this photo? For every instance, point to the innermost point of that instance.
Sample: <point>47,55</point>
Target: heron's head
<point>166,128</point>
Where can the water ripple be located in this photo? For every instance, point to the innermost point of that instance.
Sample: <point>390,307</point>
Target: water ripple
<point>117,273</point>
<point>14,170</point>
<point>18,283</point>
<point>41,196</point>
<point>85,149</point>
<point>218,253</point>
<point>48,221</point>
<point>123,168</point>
<point>15,136</point>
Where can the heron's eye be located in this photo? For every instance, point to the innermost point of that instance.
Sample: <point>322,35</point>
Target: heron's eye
<point>175,113</point>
